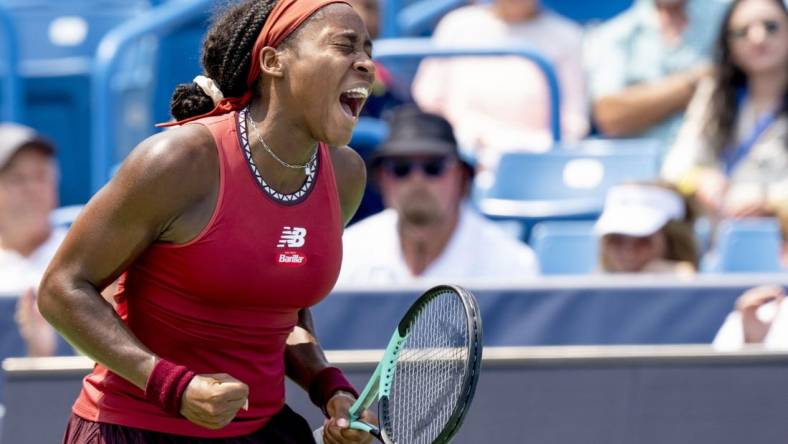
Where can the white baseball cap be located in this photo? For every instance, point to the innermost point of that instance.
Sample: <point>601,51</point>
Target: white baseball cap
<point>638,210</point>
<point>14,137</point>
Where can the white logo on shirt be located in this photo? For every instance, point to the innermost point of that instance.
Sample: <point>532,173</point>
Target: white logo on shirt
<point>292,237</point>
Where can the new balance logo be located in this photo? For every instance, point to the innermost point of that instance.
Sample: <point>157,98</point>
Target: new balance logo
<point>294,237</point>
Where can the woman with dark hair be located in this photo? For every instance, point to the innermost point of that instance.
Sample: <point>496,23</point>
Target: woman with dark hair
<point>732,151</point>
<point>223,232</point>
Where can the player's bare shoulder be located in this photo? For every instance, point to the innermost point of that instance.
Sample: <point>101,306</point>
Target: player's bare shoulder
<point>169,172</point>
<point>183,158</point>
<point>178,151</point>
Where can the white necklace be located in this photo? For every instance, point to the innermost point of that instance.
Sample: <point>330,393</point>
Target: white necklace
<point>307,167</point>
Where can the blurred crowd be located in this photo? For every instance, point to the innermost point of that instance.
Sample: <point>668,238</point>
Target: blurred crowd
<point>707,79</point>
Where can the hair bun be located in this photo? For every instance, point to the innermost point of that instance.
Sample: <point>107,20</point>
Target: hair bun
<point>189,100</point>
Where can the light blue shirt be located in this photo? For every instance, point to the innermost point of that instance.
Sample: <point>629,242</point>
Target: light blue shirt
<point>629,50</point>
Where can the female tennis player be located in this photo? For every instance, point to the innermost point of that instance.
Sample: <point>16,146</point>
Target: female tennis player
<point>223,230</point>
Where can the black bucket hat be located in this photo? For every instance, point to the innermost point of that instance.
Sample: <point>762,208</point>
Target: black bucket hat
<point>413,132</point>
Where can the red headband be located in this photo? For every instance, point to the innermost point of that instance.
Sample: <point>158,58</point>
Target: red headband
<point>285,18</point>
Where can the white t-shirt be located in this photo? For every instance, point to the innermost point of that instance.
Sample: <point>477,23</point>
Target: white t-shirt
<point>731,334</point>
<point>19,273</point>
<point>478,250</point>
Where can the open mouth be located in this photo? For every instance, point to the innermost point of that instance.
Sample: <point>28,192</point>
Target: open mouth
<point>353,100</point>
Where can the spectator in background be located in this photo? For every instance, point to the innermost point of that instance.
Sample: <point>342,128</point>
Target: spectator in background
<point>647,228</point>
<point>427,232</point>
<point>644,65</point>
<point>760,317</point>
<point>386,94</point>
<point>28,194</point>
<point>732,151</point>
<point>503,103</point>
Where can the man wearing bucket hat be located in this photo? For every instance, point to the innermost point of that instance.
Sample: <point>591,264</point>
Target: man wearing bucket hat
<point>647,228</point>
<point>427,231</point>
<point>28,193</point>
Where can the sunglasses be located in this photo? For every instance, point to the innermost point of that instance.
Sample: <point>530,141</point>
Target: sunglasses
<point>770,26</point>
<point>402,168</point>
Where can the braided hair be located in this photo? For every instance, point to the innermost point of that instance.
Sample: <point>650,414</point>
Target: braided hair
<point>226,57</point>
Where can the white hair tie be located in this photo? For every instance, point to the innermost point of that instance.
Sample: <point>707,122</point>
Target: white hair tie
<point>210,88</point>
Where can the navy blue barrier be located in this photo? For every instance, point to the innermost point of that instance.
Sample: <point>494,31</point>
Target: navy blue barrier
<point>529,395</point>
<point>548,311</point>
<point>556,311</point>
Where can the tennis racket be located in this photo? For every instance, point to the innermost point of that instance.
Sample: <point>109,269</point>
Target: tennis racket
<point>426,381</point>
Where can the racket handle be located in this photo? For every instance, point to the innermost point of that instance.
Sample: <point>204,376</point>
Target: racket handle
<point>369,428</point>
<point>318,435</point>
<point>358,425</point>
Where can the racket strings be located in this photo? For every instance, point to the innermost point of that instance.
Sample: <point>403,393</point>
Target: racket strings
<point>430,371</point>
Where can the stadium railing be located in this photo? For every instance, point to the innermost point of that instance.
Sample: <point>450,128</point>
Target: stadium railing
<point>159,22</point>
<point>11,90</point>
<point>391,52</point>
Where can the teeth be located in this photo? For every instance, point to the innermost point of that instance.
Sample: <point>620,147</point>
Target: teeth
<point>358,93</point>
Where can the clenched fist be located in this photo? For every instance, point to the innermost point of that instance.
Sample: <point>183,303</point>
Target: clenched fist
<point>212,401</point>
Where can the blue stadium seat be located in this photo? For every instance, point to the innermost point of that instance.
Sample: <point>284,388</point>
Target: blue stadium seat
<point>588,11</point>
<point>369,133</point>
<point>417,18</point>
<point>58,41</point>
<point>567,183</point>
<point>565,247</point>
<point>745,246</point>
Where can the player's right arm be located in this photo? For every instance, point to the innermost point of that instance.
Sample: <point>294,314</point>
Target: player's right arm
<point>164,192</point>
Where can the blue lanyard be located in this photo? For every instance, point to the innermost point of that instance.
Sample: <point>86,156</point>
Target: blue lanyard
<point>733,155</point>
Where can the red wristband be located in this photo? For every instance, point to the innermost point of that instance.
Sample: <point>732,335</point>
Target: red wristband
<point>327,382</point>
<point>166,385</point>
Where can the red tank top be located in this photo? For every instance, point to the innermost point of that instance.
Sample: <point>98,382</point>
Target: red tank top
<point>226,301</point>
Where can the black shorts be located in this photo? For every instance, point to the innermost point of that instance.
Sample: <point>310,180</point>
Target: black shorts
<point>286,427</point>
